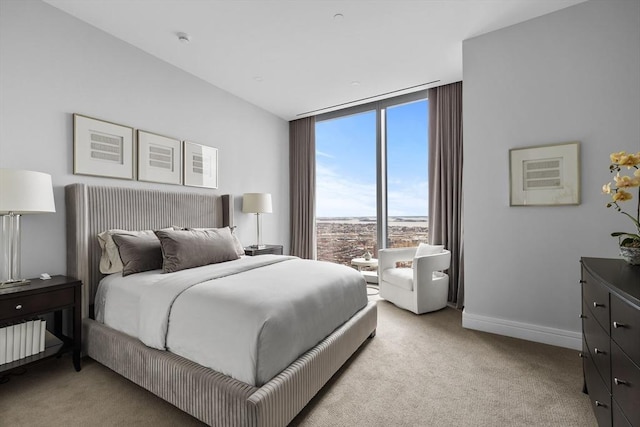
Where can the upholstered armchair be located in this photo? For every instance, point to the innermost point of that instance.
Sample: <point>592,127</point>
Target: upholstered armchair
<point>421,288</point>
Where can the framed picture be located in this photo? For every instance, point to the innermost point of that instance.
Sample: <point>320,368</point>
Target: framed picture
<point>545,175</point>
<point>200,165</point>
<point>102,148</point>
<point>159,158</point>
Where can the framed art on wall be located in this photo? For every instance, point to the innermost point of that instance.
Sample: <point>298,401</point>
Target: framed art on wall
<point>159,158</point>
<point>102,148</point>
<point>545,175</point>
<point>200,165</point>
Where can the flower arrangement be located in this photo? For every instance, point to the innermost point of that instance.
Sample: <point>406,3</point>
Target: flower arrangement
<point>620,193</point>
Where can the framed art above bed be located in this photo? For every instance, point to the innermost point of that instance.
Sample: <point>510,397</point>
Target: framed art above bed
<point>159,158</point>
<point>102,148</point>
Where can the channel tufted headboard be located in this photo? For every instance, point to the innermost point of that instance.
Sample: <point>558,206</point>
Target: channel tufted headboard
<point>93,209</point>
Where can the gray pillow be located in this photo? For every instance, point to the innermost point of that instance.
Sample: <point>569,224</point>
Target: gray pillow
<point>182,249</point>
<point>138,253</point>
<point>234,237</point>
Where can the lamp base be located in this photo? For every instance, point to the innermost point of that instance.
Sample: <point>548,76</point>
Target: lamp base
<point>14,282</point>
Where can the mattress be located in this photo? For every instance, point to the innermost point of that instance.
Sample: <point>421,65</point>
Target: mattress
<point>249,318</point>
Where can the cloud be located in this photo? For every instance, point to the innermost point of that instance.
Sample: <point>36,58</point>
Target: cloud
<point>338,196</point>
<point>323,154</point>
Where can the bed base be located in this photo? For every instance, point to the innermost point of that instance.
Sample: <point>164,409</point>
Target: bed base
<point>219,400</point>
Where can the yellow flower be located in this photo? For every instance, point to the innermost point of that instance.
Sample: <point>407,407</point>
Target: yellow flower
<point>637,173</point>
<point>606,189</point>
<point>622,196</point>
<point>625,181</point>
<point>615,157</point>
<point>623,159</point>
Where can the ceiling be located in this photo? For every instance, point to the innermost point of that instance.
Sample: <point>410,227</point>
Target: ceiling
<point>295,57</point>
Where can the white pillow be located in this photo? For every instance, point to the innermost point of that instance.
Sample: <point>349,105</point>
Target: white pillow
<point>426,249</point>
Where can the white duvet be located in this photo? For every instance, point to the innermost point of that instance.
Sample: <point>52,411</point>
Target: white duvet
<point>248,318</point>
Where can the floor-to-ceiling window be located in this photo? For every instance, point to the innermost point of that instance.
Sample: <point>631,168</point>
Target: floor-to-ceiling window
<point>371,178</point>
<point>346,179</point>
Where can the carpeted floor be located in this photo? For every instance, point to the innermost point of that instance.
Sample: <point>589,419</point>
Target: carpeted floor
<point>418,371</point>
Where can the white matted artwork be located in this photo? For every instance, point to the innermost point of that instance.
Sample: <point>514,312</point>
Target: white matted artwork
<point>200,165</point>
<point>102,148</point>
<point>159,158</point>
<point>545,175</point>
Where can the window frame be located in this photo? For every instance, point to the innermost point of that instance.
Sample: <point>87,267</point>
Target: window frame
<point>380,107</point>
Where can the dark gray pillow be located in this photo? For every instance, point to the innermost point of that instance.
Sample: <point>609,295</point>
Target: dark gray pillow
<point>182,249</point>
<point>138,252</point>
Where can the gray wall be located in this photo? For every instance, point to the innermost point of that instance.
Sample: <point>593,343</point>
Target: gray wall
<point>571,75</point>
<point>53,65</point>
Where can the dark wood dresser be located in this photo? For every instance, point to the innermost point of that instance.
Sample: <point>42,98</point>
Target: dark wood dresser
<point>611,339</point>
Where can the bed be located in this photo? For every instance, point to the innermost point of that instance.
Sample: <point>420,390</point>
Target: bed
<point>211,396</point>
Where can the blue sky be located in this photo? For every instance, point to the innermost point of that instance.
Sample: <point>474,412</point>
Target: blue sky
<point>346,162</point>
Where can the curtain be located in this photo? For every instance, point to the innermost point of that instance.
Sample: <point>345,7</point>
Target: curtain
<point>302,187</point>
<point>445,181</point>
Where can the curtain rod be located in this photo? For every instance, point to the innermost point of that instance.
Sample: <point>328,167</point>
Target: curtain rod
<point>368,97</point>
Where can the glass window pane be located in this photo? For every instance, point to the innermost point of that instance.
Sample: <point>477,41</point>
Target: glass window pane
<point>346,187</point>
<point>407,174</point>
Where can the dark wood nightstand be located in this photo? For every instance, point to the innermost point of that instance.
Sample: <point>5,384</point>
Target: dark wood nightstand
<point>268,249</point>
<point>41,297</point>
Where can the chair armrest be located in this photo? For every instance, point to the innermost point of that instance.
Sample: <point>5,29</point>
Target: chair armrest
<point>426,265</point>
<point>387,258</point>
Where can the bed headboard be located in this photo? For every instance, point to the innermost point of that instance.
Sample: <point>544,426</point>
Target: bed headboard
<point>92,209</point>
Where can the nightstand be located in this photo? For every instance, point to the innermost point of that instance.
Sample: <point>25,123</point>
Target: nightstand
<point>41,297</point>
<point>268,249</point>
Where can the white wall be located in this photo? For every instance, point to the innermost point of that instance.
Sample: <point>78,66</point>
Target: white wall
<point>53,65</point>
<point>567,76</point>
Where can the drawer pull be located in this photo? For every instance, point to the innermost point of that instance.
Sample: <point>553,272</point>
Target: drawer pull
<point>598,403</point>
<point>596,305</point>
<point>619,325</point>
<point>598,351</point>
<point>582,356</point>
<point>19,307</point>
<point>583,281</point>
<point>582,316</point>
<point>620,382</point>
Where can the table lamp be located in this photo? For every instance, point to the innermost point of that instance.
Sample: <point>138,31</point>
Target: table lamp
<point>257,203</point>
<point>21,192</point>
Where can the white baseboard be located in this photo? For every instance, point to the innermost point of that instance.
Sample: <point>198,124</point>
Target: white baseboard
<point>525,331</point>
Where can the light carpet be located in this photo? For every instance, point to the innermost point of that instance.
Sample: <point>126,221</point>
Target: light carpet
<point>418,371</point>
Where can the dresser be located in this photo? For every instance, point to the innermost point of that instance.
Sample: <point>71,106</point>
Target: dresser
<point>611,340</point>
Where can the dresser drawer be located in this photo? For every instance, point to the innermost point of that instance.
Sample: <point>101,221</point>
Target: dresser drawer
<point>597,298</point>
<point>35,303</point>
<point>625,327</point>
<point>619,420</point>
<point>598,393</point>
<point>626,384</point>
<point>598,343</point>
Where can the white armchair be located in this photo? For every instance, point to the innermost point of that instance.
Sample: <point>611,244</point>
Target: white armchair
<point>421,288</point>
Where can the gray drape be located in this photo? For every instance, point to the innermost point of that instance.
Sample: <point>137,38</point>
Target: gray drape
<point>445,181</point>
<point>302,187</point>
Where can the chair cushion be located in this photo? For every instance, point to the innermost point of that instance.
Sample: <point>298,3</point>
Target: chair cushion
<point>401,277</point>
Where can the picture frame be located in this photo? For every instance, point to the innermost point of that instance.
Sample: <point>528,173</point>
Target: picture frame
<point>159,158</point>
<point>102,148</point>
<point>200,165</point>
<point>545,175</point>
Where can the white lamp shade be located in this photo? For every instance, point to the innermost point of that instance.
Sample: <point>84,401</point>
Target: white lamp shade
<point>256,203</point>
<point>25,192</point>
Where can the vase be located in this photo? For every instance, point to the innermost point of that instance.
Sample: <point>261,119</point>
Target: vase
<point>367,256</point>
<point>631,255</point>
